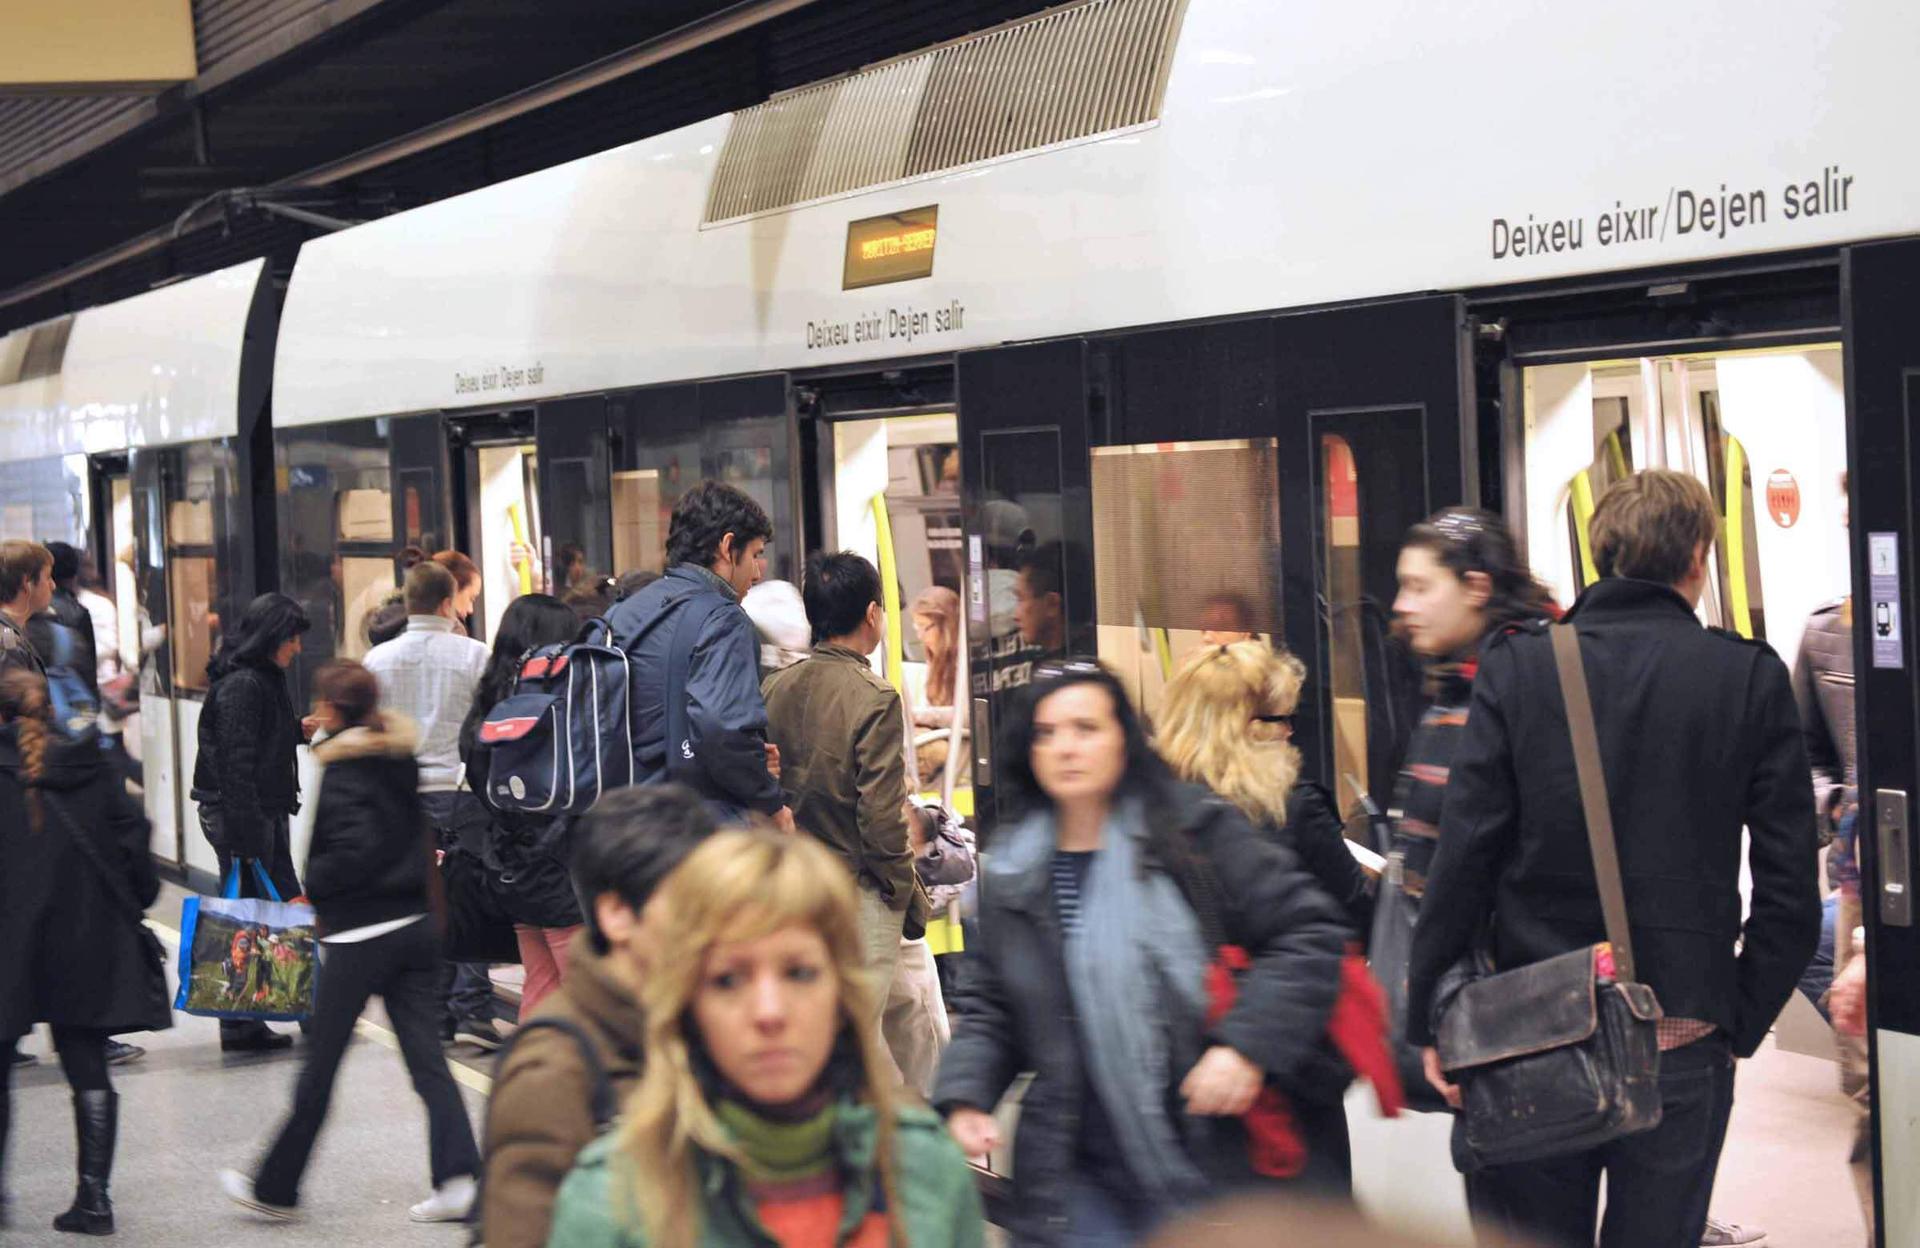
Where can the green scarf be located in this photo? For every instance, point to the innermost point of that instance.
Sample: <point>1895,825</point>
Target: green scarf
<point>780,1151</point>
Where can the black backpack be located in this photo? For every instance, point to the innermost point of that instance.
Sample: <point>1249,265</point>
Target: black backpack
<point>604,1105</point>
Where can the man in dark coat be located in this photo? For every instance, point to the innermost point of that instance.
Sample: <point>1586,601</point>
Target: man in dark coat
<point>64,609</point>
<point>716,549</point>
<point>1699,739</point>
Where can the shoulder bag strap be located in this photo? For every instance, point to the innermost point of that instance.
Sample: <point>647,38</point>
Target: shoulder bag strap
<point>1593,795</point>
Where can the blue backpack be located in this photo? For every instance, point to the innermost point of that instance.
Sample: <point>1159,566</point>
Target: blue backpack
<point>565,735</point>
<point>76,709</point>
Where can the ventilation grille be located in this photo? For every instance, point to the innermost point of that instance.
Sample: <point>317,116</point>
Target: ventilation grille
<point>37,352</point>
<point>1070,73</point>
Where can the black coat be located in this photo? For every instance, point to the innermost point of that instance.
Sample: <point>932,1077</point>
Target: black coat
<point>372,849</point>
<point>72,951</point>
<point>1318,839</point>
<point>1699,739</point>
<point>248,766</point>
<point>1017,1014</point>
<point>66,609</point>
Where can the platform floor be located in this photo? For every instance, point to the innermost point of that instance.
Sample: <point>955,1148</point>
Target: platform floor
<point>187,1111</point>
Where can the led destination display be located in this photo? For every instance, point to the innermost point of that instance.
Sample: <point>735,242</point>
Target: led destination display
<point>895,248</point>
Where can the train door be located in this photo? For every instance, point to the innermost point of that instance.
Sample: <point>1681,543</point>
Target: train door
<point>497,473</point>
<point>1883,399</point>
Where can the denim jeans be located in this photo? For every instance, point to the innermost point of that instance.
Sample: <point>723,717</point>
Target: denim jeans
<point>1658,1182</point>
<point>1818,977</point>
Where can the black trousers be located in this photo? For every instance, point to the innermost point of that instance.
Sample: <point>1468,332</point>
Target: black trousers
<point>1658,1183</point>
<point>279,865</point>
<point>83,1059</point>
<point>403,969</point>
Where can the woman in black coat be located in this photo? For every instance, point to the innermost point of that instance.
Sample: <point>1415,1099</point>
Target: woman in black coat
<point>75,877</point>
<point>1102,910</point>
<point>246,776</point>
<point>1227,722</point>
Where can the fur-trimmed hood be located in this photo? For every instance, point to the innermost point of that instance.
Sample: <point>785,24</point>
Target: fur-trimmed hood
<point>392,735</point>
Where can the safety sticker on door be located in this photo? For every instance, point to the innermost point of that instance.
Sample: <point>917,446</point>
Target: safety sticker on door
<point>1883,587</point>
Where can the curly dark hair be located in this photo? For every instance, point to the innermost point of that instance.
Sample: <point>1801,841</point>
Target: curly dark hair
<point>1467,539</point>
<point>707,513</point>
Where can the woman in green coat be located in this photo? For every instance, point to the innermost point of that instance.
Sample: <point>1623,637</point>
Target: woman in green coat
<point>767,1117</point>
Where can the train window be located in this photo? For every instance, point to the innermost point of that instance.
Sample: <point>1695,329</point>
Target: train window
<point>200,488</point>
<point>1168,577</point>
<point>656,456</point>
<point>1345,612</point>
<point>337,555</point>
<point>45,500</point>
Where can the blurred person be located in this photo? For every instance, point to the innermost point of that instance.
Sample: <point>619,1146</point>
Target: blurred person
<point>541,1112</point>
<point>65,610</point>
<point>913,1016</point>
<point>429,673</point>
<point>1103,909</point>
<point>97,601</point>
<point>780,619</point>
<point>1039,606</point>
<point>26,589</point>
<point>246,777</point>
<point>1264,1221</point>
<point>569,569</point>
<point>766,1113</point>
<point>1226,722</point>
<point>842,742</point>
<point>466,583</point>
<point>75,877</point>
<point>936,622</point>
<point>1226,618</point>
<point>370,875</point>
<point>589,598</point>
<point>716,551</point>
<point>1699,739</point>
<point>525,855</point>
<point>631,583</point>
<point>387,620</point>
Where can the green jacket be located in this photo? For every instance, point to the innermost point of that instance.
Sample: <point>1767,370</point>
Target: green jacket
<point>843,759</point>
<point>940,1205</point>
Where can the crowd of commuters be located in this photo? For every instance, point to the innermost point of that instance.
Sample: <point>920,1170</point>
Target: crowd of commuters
<point>732,1031</point>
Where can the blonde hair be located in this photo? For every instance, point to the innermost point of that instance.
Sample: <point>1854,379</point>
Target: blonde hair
<point>738,885</point>
<point>1206,729</point>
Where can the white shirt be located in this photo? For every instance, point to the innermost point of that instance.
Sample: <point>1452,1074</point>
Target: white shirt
<point>429,674</point>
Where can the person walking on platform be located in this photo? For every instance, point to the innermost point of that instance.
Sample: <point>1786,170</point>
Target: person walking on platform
<point>26,589</point>
<point>64,609</point>
<point>1226,722</point>
<point>1698,738</point>
<point>526,856</point>
<point>429,673</point>
<point>368,876</point>
<point>1103,908</point>
<point>542,1110</point>
<point>698,717</point>
<point>842,739</point>
<point>246,778</point>
<point>767,1114</point>
<point>75,878</point>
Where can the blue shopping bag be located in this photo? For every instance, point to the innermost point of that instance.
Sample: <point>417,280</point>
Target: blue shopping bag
<point>247,958</point>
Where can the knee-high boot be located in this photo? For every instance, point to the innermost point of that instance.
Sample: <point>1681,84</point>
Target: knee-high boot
<point>96,1123</point>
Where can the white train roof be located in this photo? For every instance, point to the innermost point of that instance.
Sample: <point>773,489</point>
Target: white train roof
<point>154,370</point>
<point>1307,152</point>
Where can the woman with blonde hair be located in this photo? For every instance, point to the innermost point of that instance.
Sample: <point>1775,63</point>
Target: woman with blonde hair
<point>1227,723</point>
<point>766,1111</point>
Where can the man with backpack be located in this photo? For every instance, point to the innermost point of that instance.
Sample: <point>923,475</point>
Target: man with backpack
<point>64,610</point>
<point>562,1078</point>
<point>696,712</point>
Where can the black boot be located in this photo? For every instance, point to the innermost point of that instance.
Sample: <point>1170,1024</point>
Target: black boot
<point>96,1122</point>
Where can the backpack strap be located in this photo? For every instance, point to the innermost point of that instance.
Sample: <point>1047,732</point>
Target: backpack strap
<point>694,612</point>
<point>602,1103</point>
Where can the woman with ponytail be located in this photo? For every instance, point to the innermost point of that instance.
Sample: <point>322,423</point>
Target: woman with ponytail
<point>767,1114</point>
<point>75,877</point>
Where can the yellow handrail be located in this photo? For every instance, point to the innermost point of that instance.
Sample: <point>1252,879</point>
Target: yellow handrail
<point>1581,489</point>
<point>896,656</point>
<point>1736,538</point>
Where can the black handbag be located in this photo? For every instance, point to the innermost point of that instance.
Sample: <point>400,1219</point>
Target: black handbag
<point>155,1012</point>
<point>1561,1056</point>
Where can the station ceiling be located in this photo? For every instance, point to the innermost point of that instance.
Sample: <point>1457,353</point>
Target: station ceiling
<point>330,110</point>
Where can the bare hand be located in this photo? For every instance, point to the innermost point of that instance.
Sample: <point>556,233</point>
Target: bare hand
<point>974,1131</point>
<point>1847,999</point>
<point>1430,1058</point>
<point>1222,1084</point>
<point>308,726</point>
<point>773,760</point>
<point>783,820</point>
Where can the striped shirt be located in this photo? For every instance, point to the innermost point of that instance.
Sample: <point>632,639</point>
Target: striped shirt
<point>1069,880</point>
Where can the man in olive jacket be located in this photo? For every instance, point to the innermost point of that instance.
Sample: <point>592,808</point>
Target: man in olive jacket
<point>842,742</point>
<point>1699,740</point>
<point>542,1110</point>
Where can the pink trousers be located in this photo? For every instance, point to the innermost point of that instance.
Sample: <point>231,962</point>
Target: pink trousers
<point>543,953</point>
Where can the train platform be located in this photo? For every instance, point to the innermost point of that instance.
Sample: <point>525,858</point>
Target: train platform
<point>188,1111</point>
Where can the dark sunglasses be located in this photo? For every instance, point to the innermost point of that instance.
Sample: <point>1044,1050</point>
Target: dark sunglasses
<point>1287,720</point>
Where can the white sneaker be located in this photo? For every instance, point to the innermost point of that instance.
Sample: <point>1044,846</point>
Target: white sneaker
<point>239,1190</point>
<point>452,1201</point>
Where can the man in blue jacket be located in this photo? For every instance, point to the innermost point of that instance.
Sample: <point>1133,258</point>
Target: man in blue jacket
<point>687,629</point>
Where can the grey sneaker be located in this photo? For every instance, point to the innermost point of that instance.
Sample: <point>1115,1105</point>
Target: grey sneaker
<point>239,1189</point>
<point>480,1033</point>
<point>1731,1235</point>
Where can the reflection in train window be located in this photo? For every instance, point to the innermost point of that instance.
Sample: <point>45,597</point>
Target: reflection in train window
<point>336,534</point>
<point>1346,592</point>
<point>200,487</point>
<point>1166,582</point>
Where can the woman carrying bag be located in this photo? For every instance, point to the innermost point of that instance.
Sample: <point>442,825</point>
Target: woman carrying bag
<point>75,876</point>
<point>246,776</point>
<point>1103,912</point>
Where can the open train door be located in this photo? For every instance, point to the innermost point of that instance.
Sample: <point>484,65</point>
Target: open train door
<point>1881,294</point>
